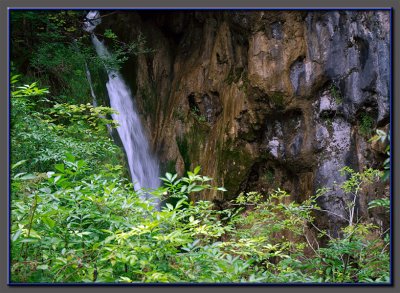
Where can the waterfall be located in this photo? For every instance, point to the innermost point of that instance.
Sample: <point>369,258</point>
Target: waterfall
<point>143,166</point>
<point>89,79</point>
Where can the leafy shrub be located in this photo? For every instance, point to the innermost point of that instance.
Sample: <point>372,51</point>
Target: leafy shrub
<point>42,132</point>
<point>73,225</point>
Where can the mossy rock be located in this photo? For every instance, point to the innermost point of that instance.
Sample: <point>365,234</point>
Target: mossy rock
<point>183,147</point>
<point>278,100</point>
<point>190,144</point>
<point>168,166</point>
<point>236,161</point>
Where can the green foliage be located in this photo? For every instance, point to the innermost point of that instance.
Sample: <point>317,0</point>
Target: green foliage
<point>121,51</point>
<point>76,225</point>
<point>67,78</point>
<point>195,112</point>
<point>41,131</point>
<point>27,90</point>
<point>80,220</point>
<point>353,185</point>
<point>336,94</point>
<point>52,47</point>
<point>381,202</point>
<point>66,117</point>
<point>48,46</point>
<point>366,124</point>
<point>382,137</point>
<point>110,34</point>
<point>353,258</point>
<point>194,182</point>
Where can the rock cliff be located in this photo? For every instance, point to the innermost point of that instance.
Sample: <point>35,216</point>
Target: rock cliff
<point>263,99</point>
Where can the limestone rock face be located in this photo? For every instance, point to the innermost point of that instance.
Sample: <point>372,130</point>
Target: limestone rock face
<point>262,99</point>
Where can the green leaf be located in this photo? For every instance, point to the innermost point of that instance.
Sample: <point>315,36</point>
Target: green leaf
<point>28,177</point>
<point>42,267</point>
<point>16,235</point>
<point>45,190</point>
<point>81,163</point>
<point>34,234</point>
<point>180,203</point>
<point>70,157</point>
<point>49,222</point>
<point>60,167</point>
<point>183,188</point>
<point>18,164</point>
<point>197,170</point>
<point>29,240</point>
<point>197,188</point>
<point>14,78</point>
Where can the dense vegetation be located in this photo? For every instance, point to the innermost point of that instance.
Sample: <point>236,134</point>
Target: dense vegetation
<point>75,216</point>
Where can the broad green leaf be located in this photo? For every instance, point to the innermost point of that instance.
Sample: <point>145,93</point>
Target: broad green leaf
<point>28,177</point>
<point>45,190</point>
<point>60,167</point>
<point>197,188</point>
<point>197,170</point>
<point>70,158</point>
<point>49,222</point>
<point>18,164</point>
<point>16,235</point>
<point>42,267</point>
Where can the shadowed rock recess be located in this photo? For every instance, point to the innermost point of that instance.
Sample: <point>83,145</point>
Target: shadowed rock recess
<point>263,99</point>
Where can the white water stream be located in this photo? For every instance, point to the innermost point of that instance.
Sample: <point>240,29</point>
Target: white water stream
<point>143,166</point>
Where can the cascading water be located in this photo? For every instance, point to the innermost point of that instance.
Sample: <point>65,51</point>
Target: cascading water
<point>143,167</point>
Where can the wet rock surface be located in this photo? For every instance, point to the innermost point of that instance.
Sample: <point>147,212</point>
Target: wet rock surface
<point>263,99</point>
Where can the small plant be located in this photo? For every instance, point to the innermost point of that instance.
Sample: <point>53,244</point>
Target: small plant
<point>27,90</point>
<point>198,116</point>
<point>121,51</point>
<point>336,94</point>
<point>382,136</point>
<point>353,186</point>
<point>381,202</point>
<point>109,34</point>
<point>329,122</point>
<point>366,124</point>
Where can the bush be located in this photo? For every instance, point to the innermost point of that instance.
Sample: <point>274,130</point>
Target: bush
<point>42,131</point>
<point>72,225</point>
